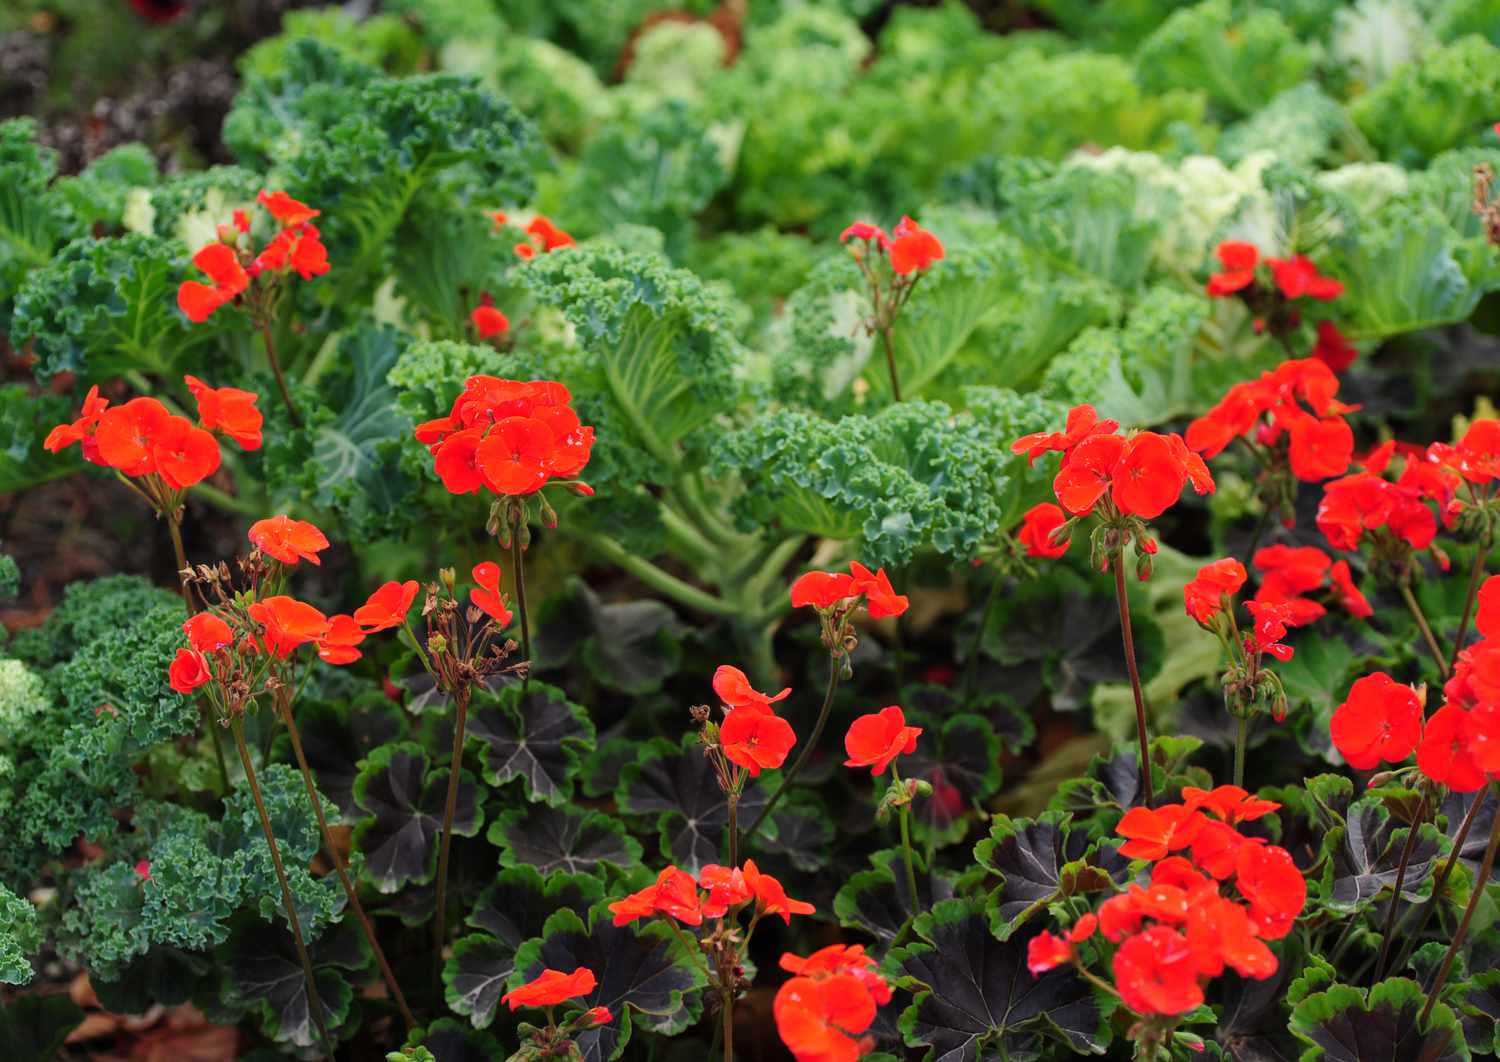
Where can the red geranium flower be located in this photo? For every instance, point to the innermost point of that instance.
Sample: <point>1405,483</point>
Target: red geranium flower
<point>1082,422</point>
<point>455,462</point>
<point>488,321</point>
<point>1267,877</point>
<point>1231,803</point>
<point>1487,619</point>
<point>1238,259</point>
<point>188,671</point>
<point>1204,595</point>
<point>823,1019</point>
<point>198,301</point>
<point>1332,349</point>
<point>1444,755</point>
<point>863,230</point>
<point>285,209</point>
<point>881,599</point>
<point>726,888</point>
<point>755,739</point>
<point>1087,472</point>
<point>386,607</point>
<point>288,623</point>
<point>551,988</point>
<point>1156,972</point>
<point>549,234</point>
<point>288,540</point>
<point>124,435</point>
<point>80,430</point>
<point>770,897</point>
<point>734,690</point>
<point>1381,719</point>
<point>1348,593</point>
<point>1320,449</point>
<point>913,248</point>
<point>1297,276</point>
<point>336,646</point>
<point>822,590</point>
<point>183,454</point>
<point>207,633</point>
<point>1220,933</point>
<point>841,959</point>
<point>1153,832</point>
<point>1149,476</point>
<point>876,739</point>
<point>1047,952</point>
<point>1036,531</point>
<point>487,596</point>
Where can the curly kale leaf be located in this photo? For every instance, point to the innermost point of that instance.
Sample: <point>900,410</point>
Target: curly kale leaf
<point>101,307</point>
<point>190,206</point>
<point>19,938</point>
<point>90,609</point>
<point>1241,62</point>
<point>102,926</point>
<point>1437,102</point>
<point>657,336</point>
<point>912,475</point>
<point>1302,126</point>
<point>383,40</point>
<point>102,194</point>
<point>25,420</point>
<point>33,218</point>
<point>10,577</point>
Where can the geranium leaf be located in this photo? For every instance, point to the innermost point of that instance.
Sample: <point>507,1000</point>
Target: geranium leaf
<point>335,737</point>
<point>802,832</point>
<point>1252,1014</point>
<point>676,783</point>
<point>36,1026</point>
<point>534,734</point>
<point>878,901</point>
<point>264,971</point>
<point>450,1041</point>
<point>972,990</point>
<point>1455,808</point>
<point>403,804</point>
<point>565,838</point>
<point>1364,857</point>
<point>1039,862</point>
<point>1480,1010</point>
<point>644,974</point>
<point>960,759</point>
<point>512,910</point>
<point>631,646</point>
<point>1344,1024</point>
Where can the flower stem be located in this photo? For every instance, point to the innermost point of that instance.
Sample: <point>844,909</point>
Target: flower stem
<point>911,873</point>
<point>729,1025</point>
<point>807,748</point>
<point>1425,911</point>
<point>1416,611</point>
<point>286,396</point>
<point>1239,751</point>
<point>1481,548</point>
<point>518,573</point>
<point>314,1002</point>
<point>734,829</point>
<point>174,528</point>
<point>343,872</point>
<point>455,766</point>
<point>1135,676</point>
<point>1480,882</point>
<point>890,361</point>
<point>1390,917</point>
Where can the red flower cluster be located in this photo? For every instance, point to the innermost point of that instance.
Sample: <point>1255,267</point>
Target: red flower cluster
<point>541,236</point>
<point>1287,573</point>
<point>295,247</point>
<point>1368,502</point>
<point>141,439</point>
<point>1290,279</point>
<point>1316,440</point>
<point>717,892</point>
<point>1204,595</point>
<point>823,1011</point>
<point>509,436</point>
<point>288,540</point>
<point>487,320</point>
<point>1137,475</point>
<point>876,739</point>
<point>910,248</point>
<point>552,987</point>
<point>1476,458</point>
<point>1381,719</point>
<point>1038,528</point>
<point>829,590</point>
<point>752,735</point>
<point>1183,929</point>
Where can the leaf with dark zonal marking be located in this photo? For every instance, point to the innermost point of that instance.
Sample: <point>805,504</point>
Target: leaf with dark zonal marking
<point>879,902</point>
<point>1344,1024</point>
<point>1364,857</point>
<point>972,990</point>
<point>644,973</point>
<point>403,803</point>
<point>1042,861</point>
<point>336,737</point>
<point>960,758</point>
<point>562,839</point>
<point>1252,1014</point>
<point>801,831</point>
<point>676,783</point>
<point>37,1026</point>
<point>264,972</point>
<point>536,735</point>
<point>631,646</point>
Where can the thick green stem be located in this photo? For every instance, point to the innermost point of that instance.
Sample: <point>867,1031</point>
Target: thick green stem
<point>911,874</point>
<point>1239,751</point>
<point>662,581</point>
<point>518,573</point>
<point>834,669</point>
<point>445,844</point>
<point>1128,640</point>
<point>1390,916</point>
<point>338,865</point>
<point>314,1001</point>
<point>1476,572</point>
<point>1416,612</point>
<point>286,395</point>
<point>1481,882</point>
<point>728,1025</point>
<point>734,829</point>
<point>890,361</point>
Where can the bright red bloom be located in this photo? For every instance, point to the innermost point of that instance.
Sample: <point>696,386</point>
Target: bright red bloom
<point>288,623</point>
<point>677,896</point>
<point>288,540</point>
<point>1381,719</point>
<point>228,410</point>
<point>524,251</point>
<point>838,959</point>
<point>488,321</point>
<point>863,230</point>
<point>1153,832</point>
<point>1320,449</point>
<point>197,300</point>
<point>913,248</point>
<point>549,234</point>
<point>1082,422</point>
<point>1204,595</point>
<point>726,888</point>
<point>1348,593</point>
<point>822,1019</point>
<point>1216,849</point>
<point>188,671</point>
<point>1235,414</point>
<point>125,433</point>
<point>734,690</point>
<point>822,590</point>
<point>285,209</point>
<point>1220,933</point>
<point>183,454</point>
<point>551,988</point>
<point>386,607</point>
<point>1239,260</point>
<point>1444,754</point>
<point>1487,618</point>
<point>1231,803</point>
<point>755,739</point>
<point>338,642</point>
<point>1047,952</point>
<point>1087,472</point>
<point>1287,572</point>
<point>1036,531</point>
<point>513,456</point>
<point>1272,618</point>
<point>80,430</point>
<point>1363,502</point>
<point>876,739</point>
<point>1297,276</point>
<point>881,599</point>
<point>770,897</point>
<point>640,904</point>
<point>207,633</point>
<point>1156,972</point>
<point>487,596</point>
<point>597,1016</point>
<point>1267,877</point>
<point>1332,349</point>
<point>1477,456</point>
<point>455,462</point>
